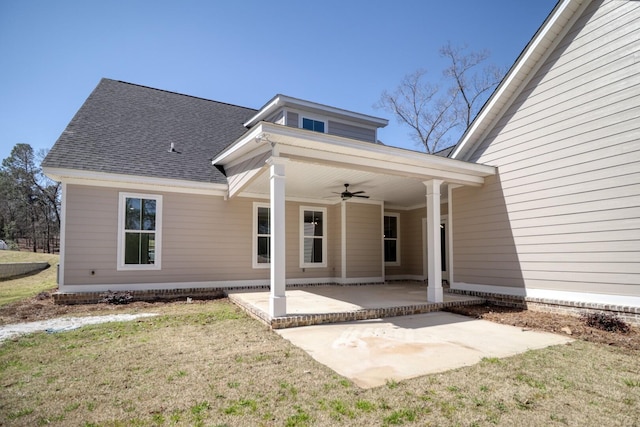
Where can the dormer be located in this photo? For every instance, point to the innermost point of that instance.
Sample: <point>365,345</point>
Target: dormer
<point>314,117</point>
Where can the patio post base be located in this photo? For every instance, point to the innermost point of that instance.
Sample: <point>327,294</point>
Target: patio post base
<point>277,306</point>
<point>434,294</point>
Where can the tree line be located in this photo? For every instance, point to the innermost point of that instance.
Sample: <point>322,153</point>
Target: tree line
<point>29,202</point>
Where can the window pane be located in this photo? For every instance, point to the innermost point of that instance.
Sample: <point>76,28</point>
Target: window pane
<point>148,214</point>
<point>313,223</point>
<point>132,214</point>
<point>147,248</point>
<point>391,227</point>
<point>307,124</point>
<point>312,250</point>
<point>390,253</point>
<point>263,221</point>
<point>318,126</point>
<point>132,248</point>
<point>264,250</point>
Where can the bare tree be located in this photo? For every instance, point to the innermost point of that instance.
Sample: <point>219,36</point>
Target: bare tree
<point>470,84</point>
<point>433,111</point>
<point>418,104</point>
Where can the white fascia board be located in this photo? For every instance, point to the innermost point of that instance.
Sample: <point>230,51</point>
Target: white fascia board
<point>512,81</point>
<point>101,179</point>
<point>366,150</point>
<point>280,101</point>
<point>239,147</point>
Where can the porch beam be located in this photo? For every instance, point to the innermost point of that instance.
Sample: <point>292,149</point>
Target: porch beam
<point>277,286</point>
<point>434,259</point>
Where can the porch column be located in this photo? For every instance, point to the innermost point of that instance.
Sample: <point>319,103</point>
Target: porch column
<point>277,299</point>
<point>434,260</point>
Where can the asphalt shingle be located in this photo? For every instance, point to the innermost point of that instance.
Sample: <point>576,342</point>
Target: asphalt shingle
<point>124,128</point>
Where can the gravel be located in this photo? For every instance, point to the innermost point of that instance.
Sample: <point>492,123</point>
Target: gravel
<point>64,324</point>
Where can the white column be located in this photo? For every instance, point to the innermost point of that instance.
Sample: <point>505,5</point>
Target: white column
<point>434,260</point>
<point>277,299</point>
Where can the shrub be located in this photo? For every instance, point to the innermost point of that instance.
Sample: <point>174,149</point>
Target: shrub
<point>119,297</point>
<point>606,322</point>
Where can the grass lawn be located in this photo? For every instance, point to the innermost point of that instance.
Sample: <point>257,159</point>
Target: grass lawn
<point>207,363</point>
<point>26,286</point>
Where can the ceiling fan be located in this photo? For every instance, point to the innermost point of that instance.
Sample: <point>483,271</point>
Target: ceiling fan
<point>346,194</point>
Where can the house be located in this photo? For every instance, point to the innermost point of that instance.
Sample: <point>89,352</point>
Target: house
<point>538,202</point>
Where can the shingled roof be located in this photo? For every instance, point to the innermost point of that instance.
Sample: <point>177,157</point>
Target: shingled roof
<point>123,128</point>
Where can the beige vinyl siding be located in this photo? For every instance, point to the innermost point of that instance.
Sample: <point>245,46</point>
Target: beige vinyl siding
<point>364,240</point>
<point>277,118</point>
<point>204,238</point>
<point>411,244</point>
<point>241,174</point>
<point>335,239</point>
<point>351,131</point>
<point>563,213</point>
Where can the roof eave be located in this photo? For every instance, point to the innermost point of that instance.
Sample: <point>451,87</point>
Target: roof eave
<point>280,101</point>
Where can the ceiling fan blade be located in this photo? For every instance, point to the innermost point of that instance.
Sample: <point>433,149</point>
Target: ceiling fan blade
<point>359,195</point>
<point>358,192</point>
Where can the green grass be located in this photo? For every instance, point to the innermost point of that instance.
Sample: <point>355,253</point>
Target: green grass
<point>27,286</point>
<point>228,369</point>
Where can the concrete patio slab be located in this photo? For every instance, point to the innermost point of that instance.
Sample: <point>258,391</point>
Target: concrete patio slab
<point>371,352</point>
<point>327,304</point>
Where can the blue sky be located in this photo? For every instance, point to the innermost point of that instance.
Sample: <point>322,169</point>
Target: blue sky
<point>341,53</point>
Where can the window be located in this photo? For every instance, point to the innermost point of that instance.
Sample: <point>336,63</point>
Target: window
<point>314,125</point>
<point>261,235</point>
<point>392,239</point>
<point>313,237</point>
<point>139,237</point>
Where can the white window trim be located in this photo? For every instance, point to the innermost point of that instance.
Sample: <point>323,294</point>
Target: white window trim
<point>302,116</point>
<point>254,237</point>
<point>322,264</point>
<point>397,262</point>
<point>157,265</point>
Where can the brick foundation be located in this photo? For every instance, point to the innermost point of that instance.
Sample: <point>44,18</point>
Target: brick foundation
<point>630,315</point>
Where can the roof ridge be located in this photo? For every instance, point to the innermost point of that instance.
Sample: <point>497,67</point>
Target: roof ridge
<point>181,94</point>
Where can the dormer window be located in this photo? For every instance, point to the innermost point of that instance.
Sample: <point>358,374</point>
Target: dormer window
<point>314,125</point>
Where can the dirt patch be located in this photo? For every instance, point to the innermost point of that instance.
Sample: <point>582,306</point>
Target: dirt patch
<point>574,326</point>
<point>42,307</point>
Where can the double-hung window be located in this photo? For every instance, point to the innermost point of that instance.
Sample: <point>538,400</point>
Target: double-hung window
<point>139,231</point>
<point>313,237</point>
<point>392,239</point>
<point>261,235</point>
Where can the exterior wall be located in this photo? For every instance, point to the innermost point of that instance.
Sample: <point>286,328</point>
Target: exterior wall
<point>351,131</point>
<point>364,240</point>
<point>243,172</point>
<point>335,242</point>
<point>411,244</point>
<point>196,245</point>
<point>333,127</point>
<point>564,212</point>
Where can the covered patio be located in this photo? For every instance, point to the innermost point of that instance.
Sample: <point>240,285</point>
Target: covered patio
<point>315,305</point>
<point>286,166</point>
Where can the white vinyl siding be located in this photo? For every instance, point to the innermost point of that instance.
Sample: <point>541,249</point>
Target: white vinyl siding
<point>563,213</point>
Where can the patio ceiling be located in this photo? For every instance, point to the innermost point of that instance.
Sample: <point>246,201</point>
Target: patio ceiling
<point>319,165</point>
